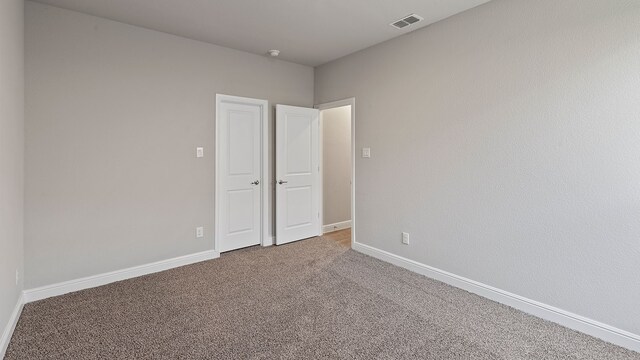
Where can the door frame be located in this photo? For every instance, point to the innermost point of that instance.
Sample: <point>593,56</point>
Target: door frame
<point>331,105</point>
<point>265,239</point>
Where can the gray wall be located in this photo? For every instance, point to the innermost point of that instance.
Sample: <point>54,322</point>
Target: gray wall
<point>506,141</point>
<point>114,114</point>
<point>336,162</point>
<point>11,154</point>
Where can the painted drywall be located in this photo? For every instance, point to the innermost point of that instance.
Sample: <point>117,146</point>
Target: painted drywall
<point>506,141</point>
<point>336,165</point>
<point>114,116</point>
<point>11,155</point>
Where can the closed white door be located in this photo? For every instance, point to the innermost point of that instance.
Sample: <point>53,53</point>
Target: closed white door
<point>240,181</point>
<point>297,174</point>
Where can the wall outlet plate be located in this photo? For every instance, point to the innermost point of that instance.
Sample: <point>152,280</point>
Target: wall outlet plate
<point>199,152</point>
<point>366,152</point>
<point>405,238</point>
<point>199,232</point>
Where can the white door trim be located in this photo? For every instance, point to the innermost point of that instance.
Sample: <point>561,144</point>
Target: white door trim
<point>331,105</point>
<point>265,239</point>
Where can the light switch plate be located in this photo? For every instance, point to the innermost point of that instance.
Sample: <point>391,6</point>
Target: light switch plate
<point>366,152</point>
<point>199,152</point>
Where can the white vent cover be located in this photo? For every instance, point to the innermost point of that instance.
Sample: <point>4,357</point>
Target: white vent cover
<point>406,21</point>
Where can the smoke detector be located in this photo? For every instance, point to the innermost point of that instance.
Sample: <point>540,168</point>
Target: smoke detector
<point>274,53</point>
<point>406,21</point>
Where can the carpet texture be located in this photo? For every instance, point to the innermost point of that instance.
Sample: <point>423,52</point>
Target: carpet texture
<point>312,299</point>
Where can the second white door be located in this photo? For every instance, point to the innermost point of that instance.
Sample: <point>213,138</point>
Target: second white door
<point>297,174</point>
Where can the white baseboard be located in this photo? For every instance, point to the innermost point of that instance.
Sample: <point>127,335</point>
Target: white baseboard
<point>565,318</point>
<point>118,275</point>
<point>337,226</point>
<point>11,325</point>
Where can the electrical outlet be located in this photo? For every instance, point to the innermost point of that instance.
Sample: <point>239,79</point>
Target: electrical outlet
<point>199,232</point>
<point>405,238</point>
<point>17,277</point>
<point>366,152</point>
<point>199,152</point>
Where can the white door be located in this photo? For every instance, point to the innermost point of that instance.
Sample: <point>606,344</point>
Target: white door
<point>240,181</point>
<point>297,174</point>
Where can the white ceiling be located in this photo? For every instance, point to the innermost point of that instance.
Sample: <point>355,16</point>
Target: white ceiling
<point>309,32</point>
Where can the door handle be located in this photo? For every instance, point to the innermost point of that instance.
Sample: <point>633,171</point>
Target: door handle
<point>257,182</point>
<point>282,182</point>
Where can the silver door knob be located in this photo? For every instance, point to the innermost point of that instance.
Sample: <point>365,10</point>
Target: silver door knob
<point>257,182</point>
<point>282,182</point>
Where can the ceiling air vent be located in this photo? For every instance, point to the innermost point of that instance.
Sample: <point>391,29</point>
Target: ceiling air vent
<point>406,21</point>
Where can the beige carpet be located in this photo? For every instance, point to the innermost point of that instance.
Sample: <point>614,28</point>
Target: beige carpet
<point>308,300</point>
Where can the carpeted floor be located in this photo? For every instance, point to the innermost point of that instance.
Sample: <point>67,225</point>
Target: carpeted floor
<point>342,237</point>
<point>313,299</point>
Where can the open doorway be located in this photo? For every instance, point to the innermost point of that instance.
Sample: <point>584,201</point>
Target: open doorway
<point>337,170</point>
